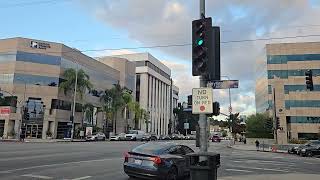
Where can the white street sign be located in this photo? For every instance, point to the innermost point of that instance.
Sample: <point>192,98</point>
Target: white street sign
<point>186,125</point>
<point>202,101</point>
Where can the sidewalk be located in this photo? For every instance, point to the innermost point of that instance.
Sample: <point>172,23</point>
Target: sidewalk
<point>42,140</point>
<point>248,147</point>
<point>273,177</point>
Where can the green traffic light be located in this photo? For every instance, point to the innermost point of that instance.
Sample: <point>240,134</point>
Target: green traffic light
<point>200,42</point>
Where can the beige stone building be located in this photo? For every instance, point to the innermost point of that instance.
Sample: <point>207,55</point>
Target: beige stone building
<point>127,71</point>
<point>155,93</point>
<point>283,75</point>
<point>31,70</point>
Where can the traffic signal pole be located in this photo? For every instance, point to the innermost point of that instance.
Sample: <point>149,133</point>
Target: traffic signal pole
<point>203,117</point>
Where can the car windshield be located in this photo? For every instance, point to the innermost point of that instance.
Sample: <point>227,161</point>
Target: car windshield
<point>152,148</point>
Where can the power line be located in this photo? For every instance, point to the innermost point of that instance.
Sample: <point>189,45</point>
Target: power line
<point>183,44</point>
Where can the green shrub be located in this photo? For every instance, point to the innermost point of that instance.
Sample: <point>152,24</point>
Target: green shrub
<point>297,141</point>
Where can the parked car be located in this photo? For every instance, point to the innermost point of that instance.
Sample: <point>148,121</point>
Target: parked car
<point>134,135</point>
<point>96,137</point>
<point>293,150</point>
<point>146,137</point>
<point>164,137</point>
<point>175,137</point>
<point>161,160</point>
<point>216,138</point>
<point>119,137</point>
<point>153,137</point>
<point>306,145</point>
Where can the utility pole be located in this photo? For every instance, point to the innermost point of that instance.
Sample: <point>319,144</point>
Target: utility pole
<point>275,116</point>
<point>74,104</point>
<point>203,117</point>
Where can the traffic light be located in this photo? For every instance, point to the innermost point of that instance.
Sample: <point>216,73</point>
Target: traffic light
<point>309,81</point>
<point>214,60</point>
<point>202,49</point>
<point>216,109</point>
<point>277,123</point>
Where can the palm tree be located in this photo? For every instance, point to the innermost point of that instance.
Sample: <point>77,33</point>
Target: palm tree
<point>138,113</point>
<point>83,83</point>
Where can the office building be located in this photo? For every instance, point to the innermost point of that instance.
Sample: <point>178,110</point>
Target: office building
<point>154,92</point>
<point>127,69</point>
<point>281,82</point>
<point>30,74</point>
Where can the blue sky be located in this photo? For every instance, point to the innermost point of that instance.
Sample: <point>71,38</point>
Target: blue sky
<point>99,24</point>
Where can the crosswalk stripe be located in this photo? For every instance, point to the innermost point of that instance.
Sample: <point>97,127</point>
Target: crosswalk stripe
<point>36,176</point>
<point>238,170</point>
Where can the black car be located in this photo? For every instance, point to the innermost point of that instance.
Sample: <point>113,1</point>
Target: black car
<point>310,151</point>
<point>157,160</point>
<point>306,145</point>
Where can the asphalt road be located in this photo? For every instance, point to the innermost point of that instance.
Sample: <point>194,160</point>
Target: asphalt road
<point>103,160</point>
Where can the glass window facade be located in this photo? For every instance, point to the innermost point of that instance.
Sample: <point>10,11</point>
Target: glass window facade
<point>138,88</point>
<point>7,57</point>
<point>284,74</point>
<point>38,58</point>
<point>303,119</point>
<point>36,80</point>
<point>302,103</point>
<point>299,88</point>
<point>101,77</point>
<point>64,105</point>
<point>283,59</point>
<point>6,78</point>
<point>35,108</point>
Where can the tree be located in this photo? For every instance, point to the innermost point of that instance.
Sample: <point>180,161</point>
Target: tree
<point>259,126</point>
<point>83,83</point>
<point>116,99</point>
<point>138,113</point>
<point>146,118</point>
<point>237,128</point>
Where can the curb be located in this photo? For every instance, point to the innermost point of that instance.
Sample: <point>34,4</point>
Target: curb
<point>269,151</point>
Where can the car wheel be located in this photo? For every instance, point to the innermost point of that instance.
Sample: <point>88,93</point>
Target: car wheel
<point>309,154</point>
<point>104,139</point>
<point>172,174</point>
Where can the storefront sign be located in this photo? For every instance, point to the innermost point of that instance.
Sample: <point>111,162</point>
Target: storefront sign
<point>5,111</point>
<point>39,45</point>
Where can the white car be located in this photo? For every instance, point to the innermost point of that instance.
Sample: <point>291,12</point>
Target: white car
<point>119,137</point>
<point>134,135</point>
<point>97,137</point>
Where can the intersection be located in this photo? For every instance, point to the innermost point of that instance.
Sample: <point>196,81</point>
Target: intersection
<point>103,160</point>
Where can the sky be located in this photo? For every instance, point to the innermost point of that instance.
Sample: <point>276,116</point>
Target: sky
<point>121,24</point>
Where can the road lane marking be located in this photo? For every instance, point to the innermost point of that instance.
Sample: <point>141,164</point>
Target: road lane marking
<point>80,178</point>
<point>36,176</point>
<point>265,169</point>
<point>58,164</point>
<point>239,170</point>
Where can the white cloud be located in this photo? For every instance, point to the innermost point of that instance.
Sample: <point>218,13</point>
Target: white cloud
<point>161,22</point>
